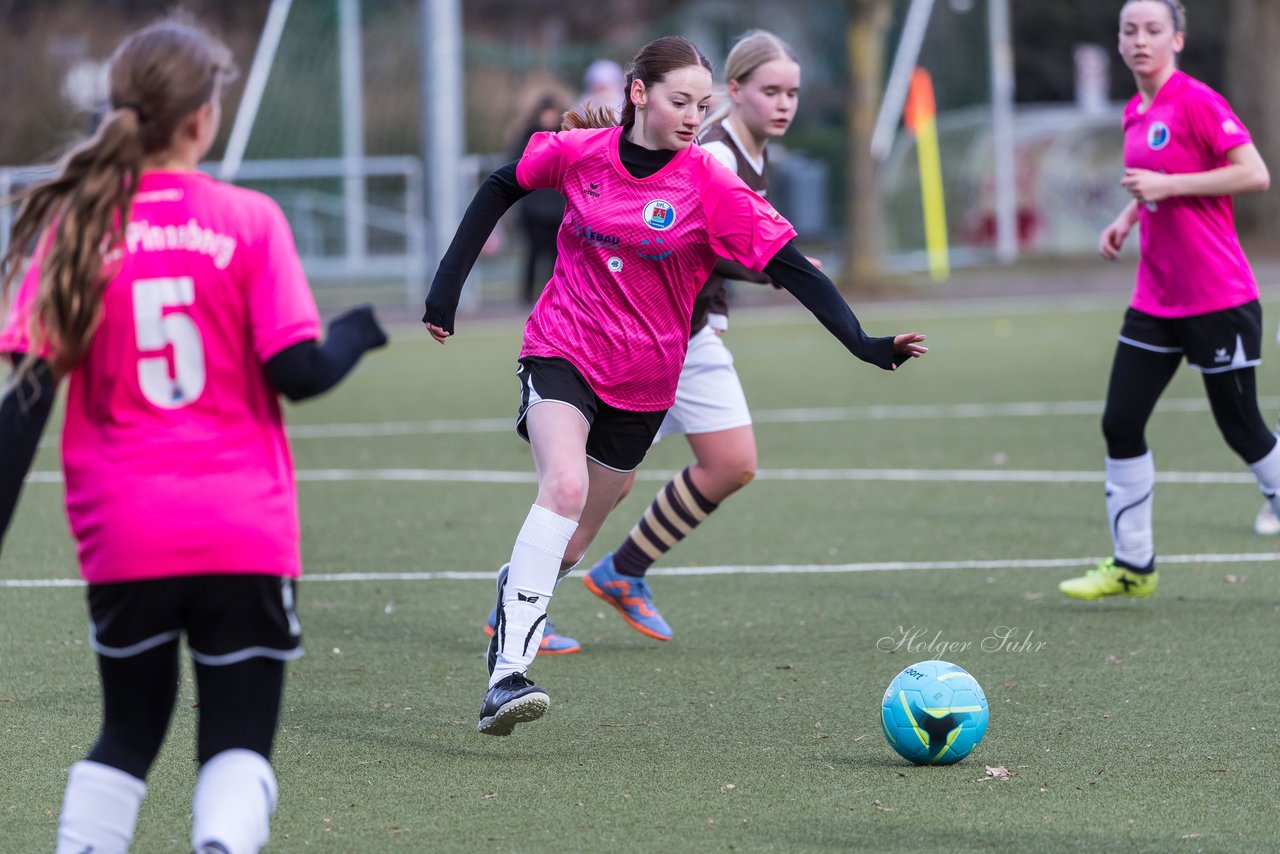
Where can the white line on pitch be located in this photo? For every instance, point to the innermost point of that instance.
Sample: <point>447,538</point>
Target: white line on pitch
<point>778,569</point>
<point>406,475</point>
<point>797,415</point>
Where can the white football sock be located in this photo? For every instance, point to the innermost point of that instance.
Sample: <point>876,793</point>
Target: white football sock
<point>531,579</point>
<point>1130,489</point>
<point>235,795</point>
<point>1267,471</point>
<point>99,809</point>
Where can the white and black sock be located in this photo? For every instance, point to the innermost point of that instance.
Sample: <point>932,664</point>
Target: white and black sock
<point>1267,471</point>
<point>1130,489</point>
<point>534,571</point>
<point>99,809</point>
<point>235,795</point>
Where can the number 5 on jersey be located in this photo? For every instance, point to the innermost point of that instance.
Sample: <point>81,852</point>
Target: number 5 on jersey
<point>155,332</point>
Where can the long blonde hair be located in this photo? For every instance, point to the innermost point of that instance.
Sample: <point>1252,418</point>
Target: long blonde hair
<point>752,50</point>
<point>652,64</point>
<point>158,77</point>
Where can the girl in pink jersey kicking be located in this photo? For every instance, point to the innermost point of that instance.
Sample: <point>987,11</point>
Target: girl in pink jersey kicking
<point>647,214</point>
<point>177,310</point>
<point>1185,155</point>
<point>763,81</point>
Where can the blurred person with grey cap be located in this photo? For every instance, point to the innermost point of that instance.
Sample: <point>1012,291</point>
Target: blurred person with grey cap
<point>604,83</point>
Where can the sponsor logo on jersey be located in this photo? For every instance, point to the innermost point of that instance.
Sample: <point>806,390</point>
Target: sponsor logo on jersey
<point>592,189</point>
<point>1229,126</point>
<point>587,234</point>
<point>1158,136</point>
<point>659,215</point>
<point>654,251</point>
<point>614,264</point>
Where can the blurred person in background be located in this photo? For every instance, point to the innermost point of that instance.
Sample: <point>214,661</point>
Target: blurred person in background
<point>540,211</point>
<point>604,85</point>
<point>177,309</point>
<point>1185,153</point>
<point>647,214</point>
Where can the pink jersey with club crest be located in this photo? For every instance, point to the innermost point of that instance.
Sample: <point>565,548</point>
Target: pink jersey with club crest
<point>1191,260</point>
<point>173,447</point>
<point>633,254</point>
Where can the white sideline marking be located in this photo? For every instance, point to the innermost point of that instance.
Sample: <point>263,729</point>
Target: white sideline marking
<point>661,475</point>
<point>775,569</point>
<point>801,415</point>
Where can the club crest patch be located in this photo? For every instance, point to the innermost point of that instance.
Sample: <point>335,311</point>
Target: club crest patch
<point>1158,136</point>
<point>659,215</point>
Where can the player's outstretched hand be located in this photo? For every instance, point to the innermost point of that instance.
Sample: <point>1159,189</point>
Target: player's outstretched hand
<point>907,346</point>
<point>437,333</point>
<point>1112,239</point>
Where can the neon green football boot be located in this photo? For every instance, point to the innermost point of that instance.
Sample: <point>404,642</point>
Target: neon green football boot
<point>1107,579</point>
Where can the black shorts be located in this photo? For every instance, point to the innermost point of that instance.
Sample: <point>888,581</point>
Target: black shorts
<point>227,618</point>
<point>1213,343</point>
<point>617,439</point>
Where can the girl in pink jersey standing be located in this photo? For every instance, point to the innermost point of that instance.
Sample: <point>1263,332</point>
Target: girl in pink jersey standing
<point>1185,155</point>
<point>177,309</point>
<point>647,214</point>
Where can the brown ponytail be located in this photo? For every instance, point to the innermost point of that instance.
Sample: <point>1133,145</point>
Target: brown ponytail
<point>652,64</point>
<point>159,76</point>
<point>85,205</point>
<point>589,117</point>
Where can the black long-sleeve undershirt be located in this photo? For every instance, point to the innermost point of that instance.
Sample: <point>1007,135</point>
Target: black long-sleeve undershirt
<point>496,195</point>
<point>24,411</point>
<point>789,269</point>
<point>308,368</point>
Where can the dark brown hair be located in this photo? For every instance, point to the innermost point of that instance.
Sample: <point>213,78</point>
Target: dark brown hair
<point>158,77</point>
<point>652,64</point>
<point>1177,12</point>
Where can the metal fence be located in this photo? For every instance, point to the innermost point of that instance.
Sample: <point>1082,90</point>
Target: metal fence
<point>393,219</point>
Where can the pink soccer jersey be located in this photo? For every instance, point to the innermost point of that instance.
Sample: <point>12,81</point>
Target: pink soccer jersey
<point>174,448</point>
<point>1191,260</point>
<point>633,254</point>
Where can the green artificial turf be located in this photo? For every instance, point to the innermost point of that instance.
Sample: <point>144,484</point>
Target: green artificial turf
<point>1144,725</point>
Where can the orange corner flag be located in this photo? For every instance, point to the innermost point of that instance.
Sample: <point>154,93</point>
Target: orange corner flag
<point>920,107</point>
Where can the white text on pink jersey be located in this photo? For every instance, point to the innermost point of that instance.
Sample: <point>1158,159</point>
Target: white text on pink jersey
<point>142,236</point>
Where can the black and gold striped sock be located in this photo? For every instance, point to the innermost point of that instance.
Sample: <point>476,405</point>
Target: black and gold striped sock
<point>677,510</point>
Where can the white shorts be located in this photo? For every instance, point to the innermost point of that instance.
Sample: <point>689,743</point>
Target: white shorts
<point>709,397</point>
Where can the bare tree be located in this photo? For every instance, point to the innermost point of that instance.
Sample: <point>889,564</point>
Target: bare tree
<point>868,22</point>
<point>1253,73</point>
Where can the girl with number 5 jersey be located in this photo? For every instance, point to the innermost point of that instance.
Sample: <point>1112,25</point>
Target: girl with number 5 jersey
<point>177,310</point>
